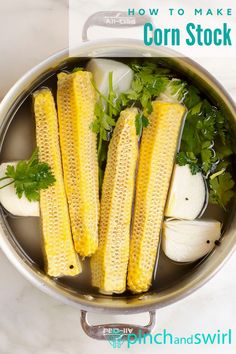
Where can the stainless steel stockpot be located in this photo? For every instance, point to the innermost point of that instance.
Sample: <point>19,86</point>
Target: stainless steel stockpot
<point>84,299</point>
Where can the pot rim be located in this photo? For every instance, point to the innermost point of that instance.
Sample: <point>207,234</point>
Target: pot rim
<point>49,286</point>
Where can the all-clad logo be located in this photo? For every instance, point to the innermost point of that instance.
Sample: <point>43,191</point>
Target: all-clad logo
<point>119,19</point>
<point>116,336</point>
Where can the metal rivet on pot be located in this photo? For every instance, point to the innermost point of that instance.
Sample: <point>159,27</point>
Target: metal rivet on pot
<point>89,297</point>
<point>143,297</point>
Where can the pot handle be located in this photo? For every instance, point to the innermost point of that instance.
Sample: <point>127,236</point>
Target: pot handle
<point>113,19</point>
<point>116,332</point>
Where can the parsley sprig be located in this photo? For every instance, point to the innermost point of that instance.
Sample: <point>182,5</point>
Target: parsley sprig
<point>148,82</point>
<point>221,189</point>
<point>106,112</point>
<point>207,146</point>
<point>29,177</point>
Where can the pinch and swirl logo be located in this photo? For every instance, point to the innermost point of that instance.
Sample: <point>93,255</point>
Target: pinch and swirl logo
<point>116,336</point>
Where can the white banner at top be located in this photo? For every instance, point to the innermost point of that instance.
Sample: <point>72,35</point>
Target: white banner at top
<point>191,28</point>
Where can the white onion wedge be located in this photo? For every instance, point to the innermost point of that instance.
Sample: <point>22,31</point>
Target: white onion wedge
<point>188,194</point>
<point>187,241</point>
<point>122,75</point>
<point>11,202</point>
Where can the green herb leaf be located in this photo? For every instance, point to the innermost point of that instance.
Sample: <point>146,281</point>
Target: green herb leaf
<point>188,158</point>
<point>175,91</point>
<point>106,111</point>
<point>223,128</point>
<point>140,122</point>
<point>191,96</point>
<point>78,68</point>
<point>221,189</point>
<point>145,121</point>
<point>207,156</point>
<point>148,82</point>
<point>29,177</point>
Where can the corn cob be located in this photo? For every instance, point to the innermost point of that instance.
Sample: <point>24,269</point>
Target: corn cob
<point>61,258</point>
<point>157,153</point>
<point>76,100</point>
<point>109,263</point>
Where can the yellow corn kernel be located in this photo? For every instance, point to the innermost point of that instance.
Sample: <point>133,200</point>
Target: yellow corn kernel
<point>76,99</point>
<point>109,263</point>
<point>61,258</point>
<point>157,154</point>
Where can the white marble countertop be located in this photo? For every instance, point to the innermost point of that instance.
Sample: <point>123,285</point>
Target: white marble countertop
<point>32,322</point>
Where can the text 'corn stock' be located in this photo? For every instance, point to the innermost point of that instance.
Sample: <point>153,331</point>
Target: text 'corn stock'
<point>61,258</point>
<point>109,264</point>
<point>157,154</point>
<point>76,99</point>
